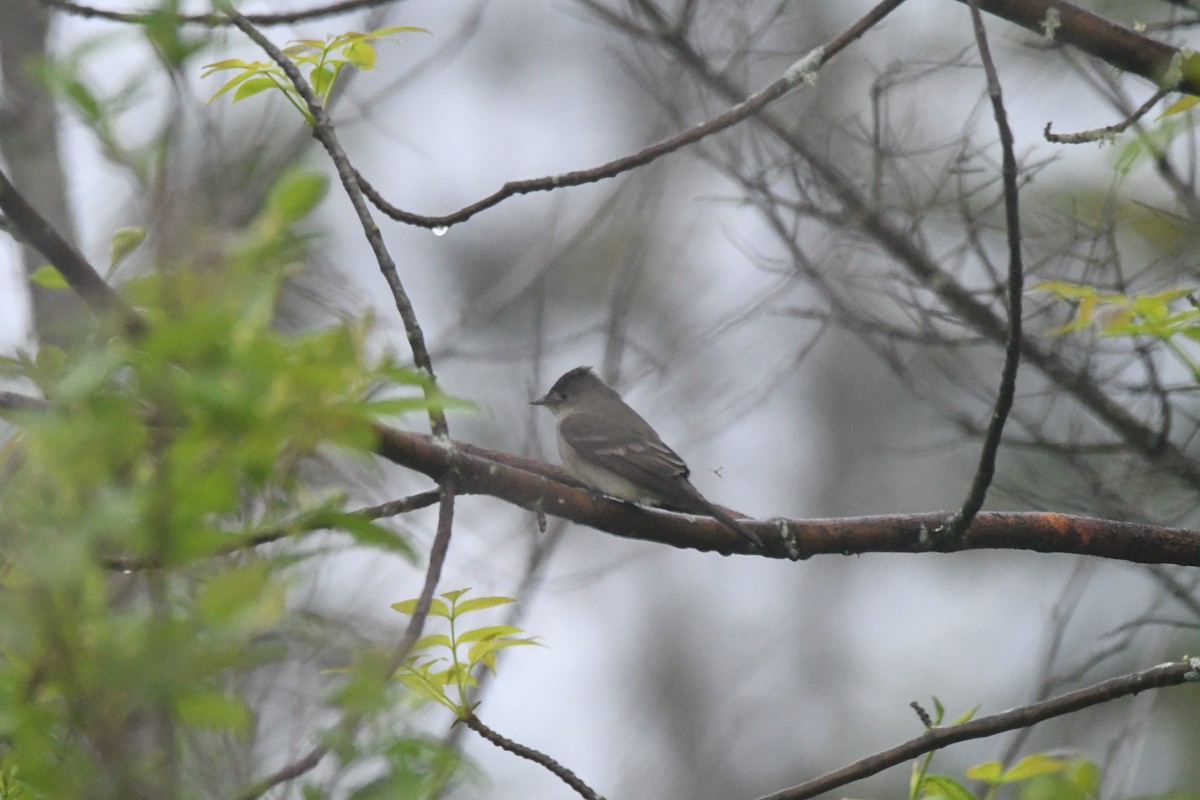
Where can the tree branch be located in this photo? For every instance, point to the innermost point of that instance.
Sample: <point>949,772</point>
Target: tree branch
<point>976,314</point>
<point>536,756</point>
<point>1171,674</point>
<point>545,488</point>
<point>80,275</point>
<point>1015,288</point>
<point>1124,48</point>
<point>804,69</point>
<point>216,20</point>
<point>324,131</point>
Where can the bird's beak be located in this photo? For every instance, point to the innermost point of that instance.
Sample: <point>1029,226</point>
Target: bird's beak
<point>541,401</point>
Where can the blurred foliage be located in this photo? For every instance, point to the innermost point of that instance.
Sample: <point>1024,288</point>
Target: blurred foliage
<point>166,455</point>
<point>117,116</point>
<point>1152,315</point>
<point>1040,776</point>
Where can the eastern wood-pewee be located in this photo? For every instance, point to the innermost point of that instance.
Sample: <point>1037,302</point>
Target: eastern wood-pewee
<point>610,448</point>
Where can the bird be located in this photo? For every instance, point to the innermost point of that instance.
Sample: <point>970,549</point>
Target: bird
<point>609,448</point>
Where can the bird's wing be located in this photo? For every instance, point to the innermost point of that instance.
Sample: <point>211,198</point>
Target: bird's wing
<point>636,454</point>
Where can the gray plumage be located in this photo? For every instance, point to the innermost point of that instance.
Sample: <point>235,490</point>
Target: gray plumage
<point>610,448</point>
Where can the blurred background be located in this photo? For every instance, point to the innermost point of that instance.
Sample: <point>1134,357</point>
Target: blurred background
<point>737,300</point>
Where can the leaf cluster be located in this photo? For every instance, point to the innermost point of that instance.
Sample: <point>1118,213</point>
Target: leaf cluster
<point>320,61</point>
<point>1117,315</point>
<point>1041,776</point>
<point>446,678</point>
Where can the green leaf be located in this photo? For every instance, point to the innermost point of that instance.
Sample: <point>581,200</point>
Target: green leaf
<point>372,534</point>
<point>295,194</point>
<point>966,715</point>
<point>434,640</point>
<point>988,772</point>
<point>1083,775</point>
<point>436,609</point>
<point>486,650</point>
<point>939,711</point>
<point>382,32</point>
<point>230,63</point>
<point>123,242</point>
<point>48,277</point>
<point>87,375</point>
<point>422,687</point>
<point>48,366</point>
<point>488,632</point>
<point>322,79</point>
<point>480,603</point>
<point>1033,765</point>
<point>244,597</point>
<point>253,86</point>
<point>214,709</point>
<point>163,29</point>
<point>361,54</point>
<point>85,101</point>
<point>233,83</point>
<point>943,786</point>
<point>454,594</point>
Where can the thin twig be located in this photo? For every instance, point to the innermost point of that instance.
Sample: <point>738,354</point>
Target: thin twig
<point>437,559</point>
<point>900,244</point>
<point>1016,287</point>
<point>536,756</point>
<point>803,70</point>
<point>1171,674</point>
<point>1100,134</point>
<point>215,20</point>
<point>324,131</point>
<point>401,506</point>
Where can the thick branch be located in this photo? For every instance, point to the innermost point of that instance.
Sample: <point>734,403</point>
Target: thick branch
<point>538,486</point>
<point>541,487</point>
<point>1124,48</point>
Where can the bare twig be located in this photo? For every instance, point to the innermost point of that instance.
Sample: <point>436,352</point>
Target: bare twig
<point>324,131</point>
<point>923,267</point>
<point>536,756</point>
<point>402,506</point>
<point>1100,134</point>
<point>1015,288</point>
<point>14,401</point>
<point>804,69</point>
<point>216,20</point>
